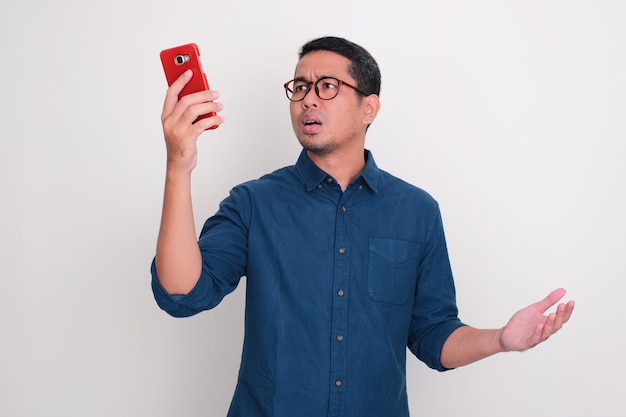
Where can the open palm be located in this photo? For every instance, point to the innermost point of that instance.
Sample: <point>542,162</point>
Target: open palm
<point>531,326</point>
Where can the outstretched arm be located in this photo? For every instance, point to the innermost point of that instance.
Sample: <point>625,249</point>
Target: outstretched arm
<point>526,329</point>
<point>178,261</point>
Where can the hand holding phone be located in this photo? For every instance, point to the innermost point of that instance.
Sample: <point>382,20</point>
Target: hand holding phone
<point>179,59</point>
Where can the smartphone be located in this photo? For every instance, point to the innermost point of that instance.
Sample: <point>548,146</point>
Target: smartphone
<point>179,59</point>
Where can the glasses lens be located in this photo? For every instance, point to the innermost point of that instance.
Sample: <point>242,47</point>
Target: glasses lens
<point>327,88</point>
<point>296,90</point>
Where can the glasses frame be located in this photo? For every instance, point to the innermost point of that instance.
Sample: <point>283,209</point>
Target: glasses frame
<point>316,88</point>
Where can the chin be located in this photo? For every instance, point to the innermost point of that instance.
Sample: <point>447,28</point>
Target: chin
<point>316,143</point>
<point>319,148</point>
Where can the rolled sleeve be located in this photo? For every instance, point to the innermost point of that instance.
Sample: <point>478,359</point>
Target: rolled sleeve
<point>181,305</point>
<point>435,313</point>
<point>223,247</point>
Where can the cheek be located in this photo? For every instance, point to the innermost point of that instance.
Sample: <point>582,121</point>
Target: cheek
<point>293,112</point>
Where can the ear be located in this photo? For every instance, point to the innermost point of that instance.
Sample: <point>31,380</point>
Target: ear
<point>371,106</point>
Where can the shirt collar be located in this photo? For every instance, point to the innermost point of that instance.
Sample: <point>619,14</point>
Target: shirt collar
<point>312,175</point>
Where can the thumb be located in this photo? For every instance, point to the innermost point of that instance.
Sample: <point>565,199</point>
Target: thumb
<point>171,97</point>
<point>551,299</point>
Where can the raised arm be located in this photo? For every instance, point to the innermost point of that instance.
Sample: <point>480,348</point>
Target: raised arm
<point>178,261</point>
<point>526,329</point>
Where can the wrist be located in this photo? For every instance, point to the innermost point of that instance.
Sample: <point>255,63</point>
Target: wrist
<point>499,342</point>
<point>177,172</point>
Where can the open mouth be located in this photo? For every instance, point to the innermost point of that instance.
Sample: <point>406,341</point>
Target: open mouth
<point>311,123</point>
<point>311,127</point>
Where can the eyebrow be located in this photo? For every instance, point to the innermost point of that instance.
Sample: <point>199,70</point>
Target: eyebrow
<point>301,78</point>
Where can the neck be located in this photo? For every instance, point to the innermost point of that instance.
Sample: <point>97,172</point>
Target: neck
<point>344,168</point>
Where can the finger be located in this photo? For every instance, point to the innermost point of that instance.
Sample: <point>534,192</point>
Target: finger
<point>537,336</point>
<point>569,309</point>
<point>171,97</point>
<point>188,109</point>
<point>189,101</point>
<point>555,321</point>
<point>563,313</point>
<point>208,123</point>
<point>178,85</point>
<point>550,327</point>
<point>194,111</point>
<point>551,299</point>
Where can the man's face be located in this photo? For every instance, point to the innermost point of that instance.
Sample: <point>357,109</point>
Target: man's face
<point>326,126</point>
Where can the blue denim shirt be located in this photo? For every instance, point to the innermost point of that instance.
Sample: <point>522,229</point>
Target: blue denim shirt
<point>338,284</point>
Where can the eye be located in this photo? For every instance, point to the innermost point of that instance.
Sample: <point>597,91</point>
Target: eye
<point>328,84</point>
<point>300,87</point>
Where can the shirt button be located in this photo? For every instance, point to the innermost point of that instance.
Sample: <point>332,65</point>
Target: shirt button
<point>340,293</point>
<point>361,187</point>
<point>339,338</point>
<point>344,209</point>
<point>338,382</point>
<point>329,180</point>
<point>319,186</point>
<point>342,250</point>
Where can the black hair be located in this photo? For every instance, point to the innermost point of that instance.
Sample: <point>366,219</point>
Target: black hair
<point>363,67</point>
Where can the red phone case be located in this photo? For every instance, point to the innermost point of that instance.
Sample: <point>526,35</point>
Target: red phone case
<point>179,59</point>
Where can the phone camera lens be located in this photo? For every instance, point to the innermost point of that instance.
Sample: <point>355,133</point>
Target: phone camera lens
<point>181,59</point>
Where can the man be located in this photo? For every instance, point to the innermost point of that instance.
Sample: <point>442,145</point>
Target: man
<point>346,265</point>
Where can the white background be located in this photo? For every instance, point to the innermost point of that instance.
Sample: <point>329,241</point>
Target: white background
<point>510,113</point>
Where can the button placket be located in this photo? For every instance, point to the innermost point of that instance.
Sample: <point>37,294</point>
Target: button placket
<point>340,303</point>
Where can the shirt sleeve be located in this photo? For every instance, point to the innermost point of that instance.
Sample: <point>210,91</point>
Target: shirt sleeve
<point>435,313</point>
<point>223,246</point>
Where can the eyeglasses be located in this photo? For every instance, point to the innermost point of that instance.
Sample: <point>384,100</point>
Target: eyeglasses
<point>326,88</point>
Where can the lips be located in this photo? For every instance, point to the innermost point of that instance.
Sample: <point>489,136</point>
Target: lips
<point>311,123</point>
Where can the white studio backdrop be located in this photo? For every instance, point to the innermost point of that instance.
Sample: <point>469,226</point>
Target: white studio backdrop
<point>511,114</point>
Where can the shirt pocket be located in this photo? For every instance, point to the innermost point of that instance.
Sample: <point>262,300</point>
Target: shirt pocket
<point>392,269</point>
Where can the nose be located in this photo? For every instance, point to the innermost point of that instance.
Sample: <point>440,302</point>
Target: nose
<point>311,99</point>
